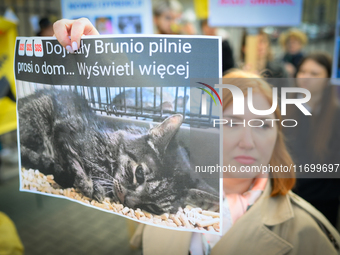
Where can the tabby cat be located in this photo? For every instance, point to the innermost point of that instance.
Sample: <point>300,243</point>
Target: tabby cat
<point>140,168</point>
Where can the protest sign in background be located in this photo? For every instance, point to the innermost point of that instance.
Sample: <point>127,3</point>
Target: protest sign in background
<point>336,58</point>
<point>255,13</point>
<point>112,17</point>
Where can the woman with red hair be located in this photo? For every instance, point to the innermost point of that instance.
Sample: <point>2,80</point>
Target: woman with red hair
<point>260,213</point>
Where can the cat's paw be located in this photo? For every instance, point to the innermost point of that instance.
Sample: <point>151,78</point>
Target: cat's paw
<point>85,186</point>
<point>166,207</point>
<point>98,192</point>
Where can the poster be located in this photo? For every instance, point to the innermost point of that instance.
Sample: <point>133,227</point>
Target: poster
<point>255,13</point>
<point>115,126</point>
<point>336,63</point>
<point>112,17</point>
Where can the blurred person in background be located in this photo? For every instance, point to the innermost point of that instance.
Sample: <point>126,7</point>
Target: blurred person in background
<point>316,138</point>
<point>46,26</point>
<point>10,243</point>
<point>267,66</point>
<point>227,53</point>
<point>166,16</point>
<point>293,41</point>
<point>188,23</point>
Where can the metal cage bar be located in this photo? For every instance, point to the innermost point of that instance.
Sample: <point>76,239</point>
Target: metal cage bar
<point>119,102</point>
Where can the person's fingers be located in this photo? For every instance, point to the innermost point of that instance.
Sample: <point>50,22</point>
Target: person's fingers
<point>81,27</point>
<point>61,29</point>
<point>64,29</point>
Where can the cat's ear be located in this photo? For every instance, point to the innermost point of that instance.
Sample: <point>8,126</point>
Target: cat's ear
<point>162,134</point>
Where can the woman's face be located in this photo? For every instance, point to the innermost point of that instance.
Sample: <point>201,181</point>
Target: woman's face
<point>248,146</point>
<point>311,69</point>
<point>167,22</point>
<point>208,30</point>
<point>293,45</point>
<point>262,46</point>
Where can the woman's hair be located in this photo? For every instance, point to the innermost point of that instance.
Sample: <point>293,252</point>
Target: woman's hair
<point>293,32</point>
<point>323,59</point>
<point>322,119</point>
<point>281,182</point>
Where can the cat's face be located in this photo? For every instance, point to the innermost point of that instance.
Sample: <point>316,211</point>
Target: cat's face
<point>153,172</point>
<point>139,183</point>
<point>141,180</point>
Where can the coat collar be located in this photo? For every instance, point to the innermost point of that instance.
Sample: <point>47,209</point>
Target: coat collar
<point>251,234</point>
<point>274,210</point>
<point>254,228</point>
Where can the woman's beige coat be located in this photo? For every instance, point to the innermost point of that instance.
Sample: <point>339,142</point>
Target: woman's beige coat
<point>273,225</point>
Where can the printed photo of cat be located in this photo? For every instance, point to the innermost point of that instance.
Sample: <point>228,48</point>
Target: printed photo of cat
<point>150,99</point>
<point>143,169</point>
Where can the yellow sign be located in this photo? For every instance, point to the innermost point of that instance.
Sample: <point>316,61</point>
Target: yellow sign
<point>201,9</point>
<point>8,33</point>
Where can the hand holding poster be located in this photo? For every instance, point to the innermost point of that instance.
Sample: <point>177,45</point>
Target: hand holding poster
<point>109,126</point>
